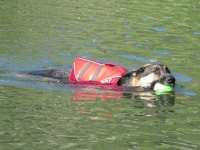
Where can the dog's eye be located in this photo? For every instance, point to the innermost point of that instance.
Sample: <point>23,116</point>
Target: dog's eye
<point>156,70</point>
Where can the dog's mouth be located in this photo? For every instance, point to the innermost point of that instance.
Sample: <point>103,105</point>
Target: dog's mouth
<point>166,80</point>
<point>150,80</point>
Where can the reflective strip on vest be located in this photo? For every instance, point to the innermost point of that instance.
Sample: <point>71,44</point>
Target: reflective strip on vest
<point>80,75</point>
<point>96,73</point>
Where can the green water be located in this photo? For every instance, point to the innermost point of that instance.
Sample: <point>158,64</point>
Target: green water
<point>38,35</point>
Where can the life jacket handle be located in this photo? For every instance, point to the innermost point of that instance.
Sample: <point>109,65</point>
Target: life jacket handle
<point>116,65</point>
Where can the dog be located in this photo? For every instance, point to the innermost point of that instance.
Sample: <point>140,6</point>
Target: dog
<point>144,77</point>
<point>147,76</point>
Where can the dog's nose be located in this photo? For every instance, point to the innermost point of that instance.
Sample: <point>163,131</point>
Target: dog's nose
<point>170,80</point>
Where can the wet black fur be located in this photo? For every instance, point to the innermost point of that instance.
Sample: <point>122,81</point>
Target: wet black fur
<point>61,74</point>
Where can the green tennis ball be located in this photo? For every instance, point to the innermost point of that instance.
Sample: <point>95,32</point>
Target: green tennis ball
<point>160,88</point>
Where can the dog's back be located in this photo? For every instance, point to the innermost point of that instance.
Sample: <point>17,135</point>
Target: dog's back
<point>61,74</point>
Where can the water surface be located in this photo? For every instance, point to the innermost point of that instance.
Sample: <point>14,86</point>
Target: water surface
<point>49,34</point>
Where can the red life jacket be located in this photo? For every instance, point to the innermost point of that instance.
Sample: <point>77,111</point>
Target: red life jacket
<point>85,70</point>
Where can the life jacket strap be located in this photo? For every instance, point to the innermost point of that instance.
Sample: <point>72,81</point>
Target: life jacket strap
<point>117,66</point>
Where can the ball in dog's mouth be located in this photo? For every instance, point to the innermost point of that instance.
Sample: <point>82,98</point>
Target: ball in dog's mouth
<point>161,88</point>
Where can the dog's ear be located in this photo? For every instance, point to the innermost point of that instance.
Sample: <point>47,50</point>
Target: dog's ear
<point>130,74</point>
<point>146,65</point>
<point>134,73</point>
<point>141,69</point>
<point>125,79</point>
<point>138,71</point>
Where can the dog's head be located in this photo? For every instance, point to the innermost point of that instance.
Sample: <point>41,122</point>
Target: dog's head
<point>147,76</point>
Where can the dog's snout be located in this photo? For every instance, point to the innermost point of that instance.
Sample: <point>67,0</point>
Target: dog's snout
<point>170,79</point>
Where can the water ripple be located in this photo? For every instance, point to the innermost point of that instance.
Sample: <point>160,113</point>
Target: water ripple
<point>141,59</point>
<point>145,19</point>
<point>181,78</point>
<point>95,39</point>
<point>91,17</point>
<point>128,36</point>
<point>162,52</point>
<point>159,29</point>
<point>189,93</point>
<point>196,33</point>
<point>127,27</point>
